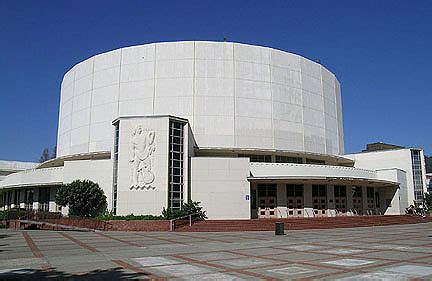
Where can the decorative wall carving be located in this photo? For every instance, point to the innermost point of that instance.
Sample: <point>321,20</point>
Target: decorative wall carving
<point>142,149</point>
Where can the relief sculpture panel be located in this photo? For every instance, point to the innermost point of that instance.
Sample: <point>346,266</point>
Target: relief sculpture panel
<point>142,148</point>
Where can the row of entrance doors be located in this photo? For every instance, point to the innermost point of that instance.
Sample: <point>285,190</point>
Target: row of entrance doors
<point>267,200</point>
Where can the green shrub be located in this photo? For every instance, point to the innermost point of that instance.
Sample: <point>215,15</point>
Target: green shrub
<point>13,214</point>
<point>84,198</point>
<point>3,215</point>
<point>130,217</point>
<point>189,208</point>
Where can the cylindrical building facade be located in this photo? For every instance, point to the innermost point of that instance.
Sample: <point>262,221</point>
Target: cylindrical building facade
<point>234,96</point>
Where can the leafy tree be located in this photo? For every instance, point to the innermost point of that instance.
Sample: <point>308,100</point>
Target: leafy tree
<point>189,208</point>
<point>45,156</point>
<point>428,161</point>
<point>428,200</point>
<point>54,152</point>
<point>84,198</point>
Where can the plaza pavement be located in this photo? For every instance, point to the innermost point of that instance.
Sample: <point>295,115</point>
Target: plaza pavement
<point>402,252</point>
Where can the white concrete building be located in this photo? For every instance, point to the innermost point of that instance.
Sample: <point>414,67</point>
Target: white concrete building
<point>429,182</point>
<point>249,131</point>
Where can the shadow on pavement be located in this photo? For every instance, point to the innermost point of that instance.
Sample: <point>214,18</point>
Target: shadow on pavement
<point>38,274</point>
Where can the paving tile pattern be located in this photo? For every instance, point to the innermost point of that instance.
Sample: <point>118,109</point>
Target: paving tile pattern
<point>398,252</point>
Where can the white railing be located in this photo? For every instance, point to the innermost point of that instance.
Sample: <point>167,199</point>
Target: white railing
<point>189,217</point>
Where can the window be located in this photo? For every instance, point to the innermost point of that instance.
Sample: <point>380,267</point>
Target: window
<point>17,195</point>
<point>417,175</point>
<point>253,199</point>
<point>28,198</point>
<point>44,198</point>
<point>357,191</point>
<point>377,200</point>
<point>294,190</point>
<point>319,199</point>
<point>287,159</point>
<point>257,158</point>
<point>266,190</point>
<point>340,191</point>
<point>115,166</point>
<point>315,161</point>
<point>370,192</point>
<point>319,191</point>
<point>340,198</point>
<point>175,172</point>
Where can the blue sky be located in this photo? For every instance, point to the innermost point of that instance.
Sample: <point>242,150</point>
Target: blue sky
<point>381,52</point>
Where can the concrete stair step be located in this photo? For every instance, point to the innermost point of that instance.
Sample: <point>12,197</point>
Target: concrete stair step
<point>300,223</point>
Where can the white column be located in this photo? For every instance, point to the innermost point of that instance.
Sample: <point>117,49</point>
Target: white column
<point>281,200</point>
<point>35,198</point>
<point>349,199</point>
<point>52,204</point>
<point>13,199</point>
<point>22,198</point>
<point>331,212</point>
<point>308,206</point>
<point>364,200</point>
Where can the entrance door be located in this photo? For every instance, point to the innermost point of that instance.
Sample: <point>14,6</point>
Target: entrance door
<point>357,200</point>
<point>44,198</point>
<point>340,199</point>
<point>28,198</point>
<point>295,202</point>
<point>370,200</point>
<point>267,201</point>
<point>319,199</point>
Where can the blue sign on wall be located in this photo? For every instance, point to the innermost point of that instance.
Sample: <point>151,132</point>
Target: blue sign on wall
<point>247,198</point>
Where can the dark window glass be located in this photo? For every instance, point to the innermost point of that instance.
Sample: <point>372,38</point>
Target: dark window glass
<point>253,199</point>
<point>370,192</point>
<point>357,191</point>
<point>315,161</point>
<point>299,190</point>
<point>175,188</point>
<point>271,190</point>
<point>290,190</point>
<point>287,159</point>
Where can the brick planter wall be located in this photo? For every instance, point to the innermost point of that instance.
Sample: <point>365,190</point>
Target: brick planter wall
<point>114,225</point>
<point>138,225</point>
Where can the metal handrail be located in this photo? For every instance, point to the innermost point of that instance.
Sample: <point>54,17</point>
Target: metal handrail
<point>172,221</point>
<point>96,224</point>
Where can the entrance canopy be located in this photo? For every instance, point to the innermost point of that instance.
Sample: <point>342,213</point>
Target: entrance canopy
<point>287,172</point>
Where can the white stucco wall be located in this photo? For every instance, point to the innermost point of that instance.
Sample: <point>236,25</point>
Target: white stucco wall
<point>399,196</point>
<point>221,186</point>
<point>143,201</point>
<point>234,95</point>
<point>388,159</point>
<point>98,171</point>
